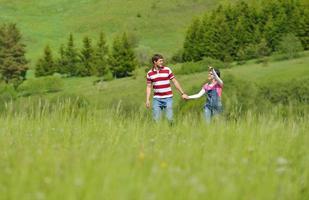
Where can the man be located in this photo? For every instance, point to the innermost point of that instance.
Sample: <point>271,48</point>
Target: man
<point>159,78</point>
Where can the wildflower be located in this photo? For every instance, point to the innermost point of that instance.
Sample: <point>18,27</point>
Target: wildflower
<point>141,155</point>
<point>78,182</point>
<point>163,165</point>
<point>282,161</point>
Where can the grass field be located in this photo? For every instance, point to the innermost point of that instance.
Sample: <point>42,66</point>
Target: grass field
<point>58,151</point>
<point>103,155</point>
<point>159,25</point>
<point>105,145</point>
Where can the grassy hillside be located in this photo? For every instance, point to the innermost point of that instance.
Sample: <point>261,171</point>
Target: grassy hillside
<point>158,25</point>
<point>131,90</point>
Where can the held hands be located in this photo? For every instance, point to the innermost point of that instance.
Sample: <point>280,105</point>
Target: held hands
<point>185,96</point>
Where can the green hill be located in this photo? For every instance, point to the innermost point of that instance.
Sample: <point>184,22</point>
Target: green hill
<point>131,92</point>
<point>159,26</point>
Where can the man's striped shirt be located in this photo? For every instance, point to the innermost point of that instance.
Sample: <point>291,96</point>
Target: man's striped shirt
<point>160,80</point>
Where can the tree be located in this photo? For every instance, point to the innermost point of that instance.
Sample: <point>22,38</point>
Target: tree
<point>71,58</point>
<point>13,63</point>
<point>270,33</point>
<point>122,59</point>
<point>234,31</point>
<point>101,56</point>
<point>290,45</point>
<point>61,62</point>
<point>45,65</point>
<point>86,67</point>
<point>192,45</point>
<point>221,38</point>
<point>302,25</point>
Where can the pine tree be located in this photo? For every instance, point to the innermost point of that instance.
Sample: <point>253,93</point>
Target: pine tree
<point>206,30</point>
<point>71,58</point>
<point>193,42</point>
<point>281,27</point>
<point>241,35</point>
<point>274,23</point>
<point>122,59</point>
<point>270,33</point>
<point>45,65</point>
<point>221,38</point>
<point>86,67</point>
<point>13,64</point>
<point>101,56</point>
<point>61,62</point>
<point>301,22</point>
<point>235,31</point>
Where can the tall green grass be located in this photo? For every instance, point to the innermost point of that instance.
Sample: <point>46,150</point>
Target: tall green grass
<point>65,153</point>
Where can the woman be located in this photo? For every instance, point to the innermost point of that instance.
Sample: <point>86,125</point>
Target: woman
<point>213,91</point>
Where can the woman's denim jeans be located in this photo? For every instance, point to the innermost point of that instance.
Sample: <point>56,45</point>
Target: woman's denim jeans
<point>163,104</point>
<point>209,111</point>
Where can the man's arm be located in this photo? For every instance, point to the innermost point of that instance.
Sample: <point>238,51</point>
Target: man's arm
<point>179,88</point>
<point>148,92</point>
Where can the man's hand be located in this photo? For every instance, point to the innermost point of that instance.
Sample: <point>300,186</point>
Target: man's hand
<point>185,96</point>
<point>147,104</point>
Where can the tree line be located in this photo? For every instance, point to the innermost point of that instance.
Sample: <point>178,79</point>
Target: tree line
<point>90,60</point>
<point>243,31</point>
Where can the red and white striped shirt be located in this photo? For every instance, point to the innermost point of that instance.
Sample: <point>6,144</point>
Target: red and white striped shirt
<point>160,80</point>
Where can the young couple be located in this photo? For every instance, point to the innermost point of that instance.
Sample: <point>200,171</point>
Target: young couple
<point>159,78</point>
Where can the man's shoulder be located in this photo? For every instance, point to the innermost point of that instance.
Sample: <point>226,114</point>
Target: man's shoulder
<point>150,72</point>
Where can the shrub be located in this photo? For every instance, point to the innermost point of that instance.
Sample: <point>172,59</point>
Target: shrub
<point>108,76</point>
<point>7,94</point>
<point>291,92</point>
<point>41,85</point>
<point>290,45</point>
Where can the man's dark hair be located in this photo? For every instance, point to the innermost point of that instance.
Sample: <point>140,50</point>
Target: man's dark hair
<point>156,57</point>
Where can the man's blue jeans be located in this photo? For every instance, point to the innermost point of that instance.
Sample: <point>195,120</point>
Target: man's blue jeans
<point>162,104</point>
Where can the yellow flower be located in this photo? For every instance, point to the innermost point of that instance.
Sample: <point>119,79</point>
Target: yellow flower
<point>141,155</point>
<point>163,165</point>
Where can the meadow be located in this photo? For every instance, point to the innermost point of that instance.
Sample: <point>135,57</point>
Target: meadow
<point>79,138</point>
<point>102,144</point>
<point>67,154</point>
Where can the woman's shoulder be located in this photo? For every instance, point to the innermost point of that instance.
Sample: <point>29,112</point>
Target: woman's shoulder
<point>209,86</point>
<point>206,86</point>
